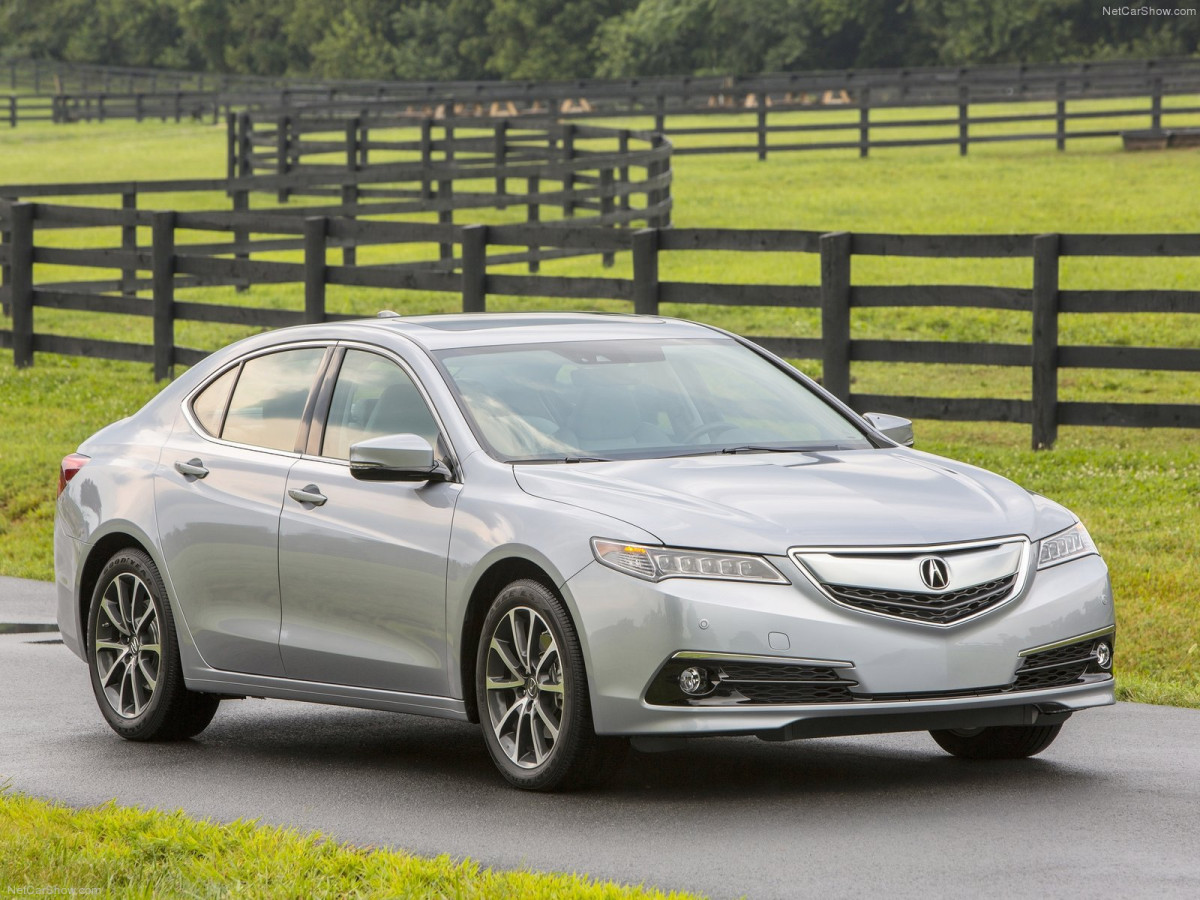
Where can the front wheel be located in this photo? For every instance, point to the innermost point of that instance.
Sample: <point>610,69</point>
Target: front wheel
<point>533,695</point>
<point>997,742</point>
<point>134,658</point>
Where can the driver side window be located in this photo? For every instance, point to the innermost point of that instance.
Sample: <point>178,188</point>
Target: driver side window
<point>373,397</point>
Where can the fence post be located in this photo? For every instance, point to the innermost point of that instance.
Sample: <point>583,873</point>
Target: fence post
<point>762,125</point>
<point>12,110</point>
<point>623,148</point>
<point>1156,105</point>
<point>1045,340</point>
<point>315,230</point>
<point>474,268</point>
<point>864,122</point>
<point>129,244</point>
<point>534,214</point>
<point>835,314</point>
<point>426,157</point>
<point>350,191</point>
<point>500,151</point>
<point>21,284</point>
<point>445,214</point>
<point>231,147</point>
<point>606,210</point>
<point>660,113</point>
<point>1060,116</point>
<point>645,272</point>
<point>964,112</point>
<point>568,181</point>
<point>282,143</point>
<point>163,256</point>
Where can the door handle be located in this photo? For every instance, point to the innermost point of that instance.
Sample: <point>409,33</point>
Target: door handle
<point>310,493</point>
<point>193,468</point>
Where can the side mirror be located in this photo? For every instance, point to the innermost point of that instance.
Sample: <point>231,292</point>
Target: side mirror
<point>396,457</point>
<point>897,428</point>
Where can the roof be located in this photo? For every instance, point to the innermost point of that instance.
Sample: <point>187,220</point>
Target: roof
<point>484,329</point>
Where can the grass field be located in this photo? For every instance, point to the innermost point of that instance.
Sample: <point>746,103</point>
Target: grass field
<point>114,852</point>
<point>1139,491</point>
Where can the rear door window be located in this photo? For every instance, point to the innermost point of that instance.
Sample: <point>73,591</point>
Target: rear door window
<point>268,403</point>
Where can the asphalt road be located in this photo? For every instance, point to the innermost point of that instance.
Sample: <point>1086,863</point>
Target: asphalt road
<point>1111,809</point>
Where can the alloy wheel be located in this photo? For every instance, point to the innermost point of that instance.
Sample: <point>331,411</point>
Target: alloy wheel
<point>128,654</point>
<point>525,690</point>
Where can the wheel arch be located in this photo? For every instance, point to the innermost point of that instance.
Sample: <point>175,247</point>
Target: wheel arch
<point>498,574</point>
<point>121,537</point>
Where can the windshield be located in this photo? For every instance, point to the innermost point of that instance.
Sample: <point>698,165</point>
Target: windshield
<point>634,399</point>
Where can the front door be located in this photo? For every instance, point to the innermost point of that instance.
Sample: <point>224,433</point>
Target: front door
<point>362,564</point>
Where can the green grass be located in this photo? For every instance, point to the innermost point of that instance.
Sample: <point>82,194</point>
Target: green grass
<point>1139,491</point>
<point>119,852</point>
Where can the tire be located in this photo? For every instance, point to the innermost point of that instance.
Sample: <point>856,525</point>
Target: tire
<point>997,742</point>
<point>529,680</point>
<point>133,656</point>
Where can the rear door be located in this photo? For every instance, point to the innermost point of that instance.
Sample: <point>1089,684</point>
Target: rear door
<point>219,489</point>
<point>363,568</point>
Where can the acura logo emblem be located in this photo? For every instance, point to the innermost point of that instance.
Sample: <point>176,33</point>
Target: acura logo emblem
<point>935,573</point>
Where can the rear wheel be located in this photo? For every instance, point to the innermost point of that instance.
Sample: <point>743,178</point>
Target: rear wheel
<point>134,658</point>
<point>533,695</point>
<point>997,742</point>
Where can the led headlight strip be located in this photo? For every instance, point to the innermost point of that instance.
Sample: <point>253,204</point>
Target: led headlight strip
<point>1070,543</point>
<point>657,563</point>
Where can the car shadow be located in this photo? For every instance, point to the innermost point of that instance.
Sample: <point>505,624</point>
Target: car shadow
<point>299,744</point>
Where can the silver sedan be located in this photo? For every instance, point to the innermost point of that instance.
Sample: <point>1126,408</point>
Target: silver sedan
<point>578,530</point>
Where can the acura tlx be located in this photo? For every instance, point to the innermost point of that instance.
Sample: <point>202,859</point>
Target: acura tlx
<point>578,530</point>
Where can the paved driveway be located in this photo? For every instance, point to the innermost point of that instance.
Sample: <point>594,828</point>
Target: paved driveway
<point>1111,809</point>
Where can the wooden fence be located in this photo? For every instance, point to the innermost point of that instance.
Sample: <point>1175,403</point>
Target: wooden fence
<point>166,266</point>
<point>789,112</point>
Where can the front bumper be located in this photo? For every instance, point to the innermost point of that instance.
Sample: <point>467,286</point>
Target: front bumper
<point>943,677</point>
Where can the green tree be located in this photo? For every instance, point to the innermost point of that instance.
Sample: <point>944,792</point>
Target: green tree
<point>547,40</point>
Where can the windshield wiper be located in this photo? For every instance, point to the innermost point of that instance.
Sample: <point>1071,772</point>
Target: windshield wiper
<point>760,448</point>
<point>560,459</point>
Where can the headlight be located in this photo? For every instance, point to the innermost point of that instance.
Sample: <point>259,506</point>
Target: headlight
<point>657,563</point>
<point>1065,546</point>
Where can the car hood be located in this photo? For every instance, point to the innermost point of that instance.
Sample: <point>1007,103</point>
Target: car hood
<point>766,503</point>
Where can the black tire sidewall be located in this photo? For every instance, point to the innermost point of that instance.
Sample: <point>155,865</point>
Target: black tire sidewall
<point>153,719</point>
<point>565,755</point>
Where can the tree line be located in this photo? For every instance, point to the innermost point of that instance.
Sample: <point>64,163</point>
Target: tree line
<point>561,39</point>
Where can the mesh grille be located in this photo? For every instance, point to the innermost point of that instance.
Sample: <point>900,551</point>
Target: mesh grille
<point>937,609</point>
<point>768,672</point>
<point>1052,668</point>
<point>795,692</point>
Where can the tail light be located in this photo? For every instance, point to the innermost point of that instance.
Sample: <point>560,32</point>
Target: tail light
<point>70,467</point>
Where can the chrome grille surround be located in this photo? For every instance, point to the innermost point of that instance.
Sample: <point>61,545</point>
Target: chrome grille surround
<point>885,579</point>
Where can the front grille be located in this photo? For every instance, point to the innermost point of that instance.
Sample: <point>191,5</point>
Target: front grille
<point>772,672</point>
<point>798,692</point>
<point>935,609</point>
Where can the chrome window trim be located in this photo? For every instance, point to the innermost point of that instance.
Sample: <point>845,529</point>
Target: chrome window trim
<point>1024,570</point>
<point>1066,642</point>
<point>190,416</point>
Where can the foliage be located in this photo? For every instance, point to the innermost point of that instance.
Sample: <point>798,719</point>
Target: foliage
<point>430,40</point>
<point>48,849</point>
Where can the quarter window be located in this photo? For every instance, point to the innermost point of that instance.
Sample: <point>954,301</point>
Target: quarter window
<point>209,404</point>
<point>268,402</point>
<point>374,397</point>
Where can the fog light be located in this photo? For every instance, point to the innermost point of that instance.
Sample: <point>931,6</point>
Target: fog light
<point>693,681</point>
<point>1103,655</point>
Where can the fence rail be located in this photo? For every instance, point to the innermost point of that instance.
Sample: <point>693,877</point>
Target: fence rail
<point>166,267</point>
<point>790,111</point>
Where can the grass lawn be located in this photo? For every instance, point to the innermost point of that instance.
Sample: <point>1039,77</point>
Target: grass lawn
<point>1138,491</point>
<point>122,852</point>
